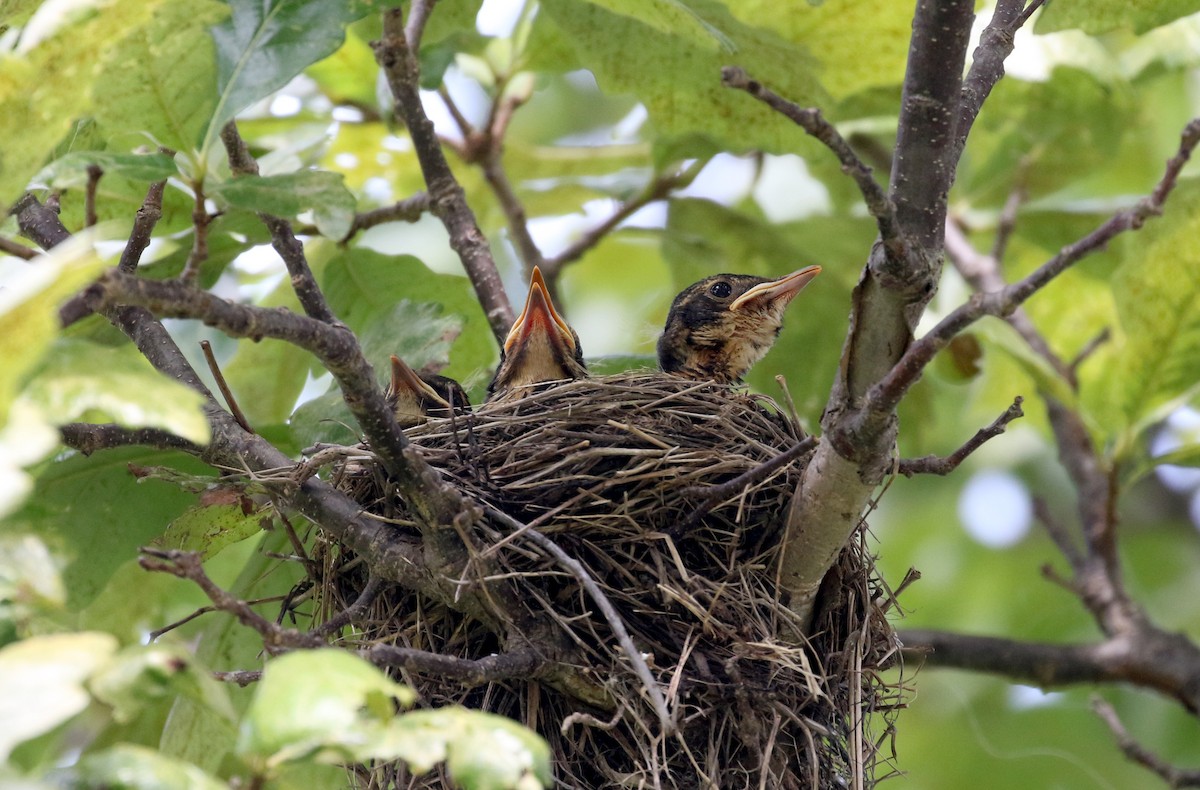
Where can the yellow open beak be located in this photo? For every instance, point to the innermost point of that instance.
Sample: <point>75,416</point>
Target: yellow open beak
<point>779,291</point>
<point>539,313</point>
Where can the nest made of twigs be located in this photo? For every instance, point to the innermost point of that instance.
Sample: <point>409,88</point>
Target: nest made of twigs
<point>619,472</point>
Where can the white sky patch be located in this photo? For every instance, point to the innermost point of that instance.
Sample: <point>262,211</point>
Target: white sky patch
<point>285,105</point>
<point>498,17</point>
<point>786,191</point>
<point>726,179</point>
<point>1181,428</point>
<point>995,508</point>
<point>1027,697</point>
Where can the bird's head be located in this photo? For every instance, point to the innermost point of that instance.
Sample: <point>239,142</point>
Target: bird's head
<point>540,347</point>
<point>719,327</point>
<point>414,397</point>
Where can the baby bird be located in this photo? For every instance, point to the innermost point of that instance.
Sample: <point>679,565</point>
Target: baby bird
<point>719,327</point>
<point>416,397</point>
<point>540,346</point>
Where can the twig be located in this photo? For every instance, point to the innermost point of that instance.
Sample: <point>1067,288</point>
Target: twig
<point>283,239</point>
<point>1090,348</point>
<point>18,250</point>
<point>446,196</point>
<point>418,15</point>
<point>879,205</point>
<point>935,465</point>
<point>203,610</point>
<point>887,393</point>
<point>987,63</point>
<point>1172,775</point>
<point>411,209</point>
<point>469,672</point>
<point>94,174</point>
<point>354,611</point>
<point>39,223</point>
<point>226,392</point>
<point>88,438</point>
<point>1008,214</point>
<point>201,219</point>
<point>640,668</point>
<point>1058,533</point>
<point>718,493</point>
<point>659,188</point>
<point>187,565</point>
<point>147,217</point>
<point>242,677</point>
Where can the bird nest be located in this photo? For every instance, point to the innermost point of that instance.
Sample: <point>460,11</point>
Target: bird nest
<point>623,474</point>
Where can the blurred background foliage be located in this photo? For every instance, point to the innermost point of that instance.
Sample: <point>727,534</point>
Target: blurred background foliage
<point>615,93</point>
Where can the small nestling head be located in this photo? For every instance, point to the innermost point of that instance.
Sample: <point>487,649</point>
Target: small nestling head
<point>540,347</point>
<point>416,397</point>
<point>718,328</point>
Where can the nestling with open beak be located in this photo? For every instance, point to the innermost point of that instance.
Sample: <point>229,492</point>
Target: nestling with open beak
<point>540,347</point>
<point>416,397</point>
<point>719,327</point>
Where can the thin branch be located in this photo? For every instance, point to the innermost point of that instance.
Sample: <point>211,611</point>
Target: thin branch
<point>436,502</point>
<point>935,465</point>
<point>147,217</point>
<point>94,174</point>
<point>1059,534</point>
<point>987,62</point>
<point>1008,214</point>
<point>353,612</point>
<point>1165,662</point>
<point>187,565</point>
<point>411,209</point>
<point>88,438</point>
<point>714,495</point>
<point>242,677</point>
<point>418,16</point>
<point>879,205</point>
<point>201,220</point>
<point>400,65</point>
<point>469,672</point>
<point>283,239</point>
<point>1172,775</point>
<point>640,668</point>
<point>658,189</point>
<point>887,393</point>
<point>39,223</point>
<point>230,401</point>
<point>1090,348</point>
<point>16,249</point>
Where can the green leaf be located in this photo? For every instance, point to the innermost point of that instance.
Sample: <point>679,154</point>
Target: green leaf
<point>677,74</point>
<point>288,194</point>
<point>158,85</point>
<point>1000,335</point>
<point>80,380</point>
<point>29,577</point>
<point>363,286</point>
<point>71,170</point>
<point>265,43</point>
<point>77,501</point>
<point>1100,16</point>
<point>209,528</point>
<point>313,702</point>
<point>482,751</point>
<point>45,84</point>
<point>42,682</point>
<point>143,674</point>
<point>142,768</point>
<point>1157,291</point>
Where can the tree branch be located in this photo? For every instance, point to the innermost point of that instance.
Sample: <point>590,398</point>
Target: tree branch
<point>987,62</point>
<point>88,438</point>
<point>933,465</point>
<point>39,223</point>
<point>887,393</point>
<point>410,209</point>
<point>147,217</point>
<point>282,238</point>
<point>17,250</point>
<point>899,279</point>
<point>94,174</point>
<point>879,205</point>
<point>436,503</point>
<point>471,673</point>
<point>1172,775</point>
<point>447,200</point>
<point>187,565</point>
<point>1167,663</point>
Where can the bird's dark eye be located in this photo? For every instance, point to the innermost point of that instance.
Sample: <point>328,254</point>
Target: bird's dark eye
<point>720,289</point>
